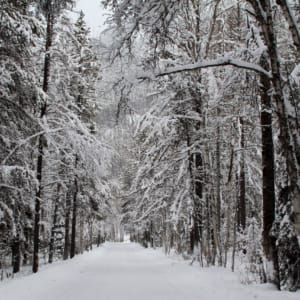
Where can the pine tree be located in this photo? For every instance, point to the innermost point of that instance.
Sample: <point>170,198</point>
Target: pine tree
<point>51,10</point>
<point>19,93</point>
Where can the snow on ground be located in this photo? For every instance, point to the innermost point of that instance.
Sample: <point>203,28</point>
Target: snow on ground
<point>124,271</point>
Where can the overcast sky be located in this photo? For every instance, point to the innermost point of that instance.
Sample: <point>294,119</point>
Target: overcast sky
<point>94,14</point>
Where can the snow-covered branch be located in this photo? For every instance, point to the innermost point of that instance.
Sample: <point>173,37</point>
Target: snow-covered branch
<point>224,61</point>
<point>25,141</point>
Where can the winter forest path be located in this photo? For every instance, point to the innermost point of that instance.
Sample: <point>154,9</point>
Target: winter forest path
<point>124,271</point>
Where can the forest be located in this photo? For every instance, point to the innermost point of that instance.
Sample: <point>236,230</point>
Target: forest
<point>178,126</point>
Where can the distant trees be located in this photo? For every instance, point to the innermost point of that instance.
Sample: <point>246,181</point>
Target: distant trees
<point>208,124</point>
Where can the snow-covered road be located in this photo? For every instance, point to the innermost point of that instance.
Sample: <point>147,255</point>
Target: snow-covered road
<point>123,271</point>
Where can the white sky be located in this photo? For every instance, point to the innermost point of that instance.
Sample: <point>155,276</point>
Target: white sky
<point>94,14</point>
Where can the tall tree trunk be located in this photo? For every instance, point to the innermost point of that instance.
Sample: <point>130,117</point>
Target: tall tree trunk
<point>287,243</point>
<point>242,179</point>
<point>229,205</point>
<point>81,227</point>
<point>91,234</point>
<point>218,175</point>
<point>217,218</point>
<point>41,142</point>
<point>53,228</point>
<point>196,168</point>
<point>151,234</point>
<point>285,232</point>
<point>67,227</point>
<point>16,253</point>
<point>198,190</point>
<point>196,217</point>
<point>235,222</point>
<point>74,213</point>
<point>36,228</point>
<point>268,170</point>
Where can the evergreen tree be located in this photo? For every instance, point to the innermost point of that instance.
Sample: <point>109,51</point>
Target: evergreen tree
<point>18,100</point>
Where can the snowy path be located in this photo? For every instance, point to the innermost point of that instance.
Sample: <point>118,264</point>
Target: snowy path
<point>129,272</point>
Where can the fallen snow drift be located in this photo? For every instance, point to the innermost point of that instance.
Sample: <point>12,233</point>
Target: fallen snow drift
<point>123,271</point>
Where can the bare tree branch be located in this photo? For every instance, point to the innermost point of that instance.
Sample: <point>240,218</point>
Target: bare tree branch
<point>208,64</point>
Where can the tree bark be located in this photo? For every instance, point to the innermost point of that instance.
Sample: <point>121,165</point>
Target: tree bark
<point>218,174</point>
<point>81,227</point>
<point>67,227</point>
<point>74,214</point>
<point>36,228</point>
<point>16,254</point>
<point>47,62</point>
<point>52,235</point>
<point>198,165</point>
<point>268,171</point>
<point>242,180</point>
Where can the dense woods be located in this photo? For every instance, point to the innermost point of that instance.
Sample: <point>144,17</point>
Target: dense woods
<point>178,126</point>
<point>53,187</point>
